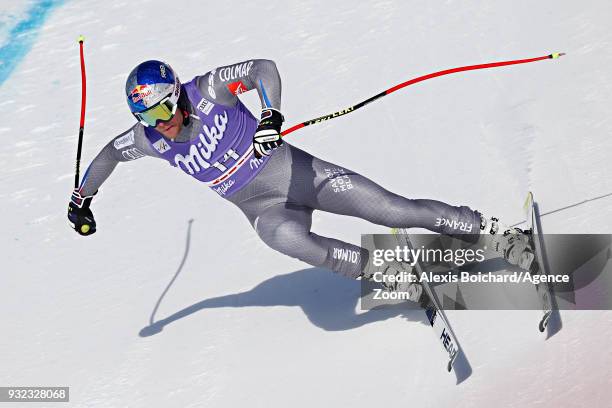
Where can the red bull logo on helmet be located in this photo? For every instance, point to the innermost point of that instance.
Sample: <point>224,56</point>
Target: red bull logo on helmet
<point>140,92</point>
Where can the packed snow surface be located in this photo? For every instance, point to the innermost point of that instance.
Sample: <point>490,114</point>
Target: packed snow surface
<point>242,325</point>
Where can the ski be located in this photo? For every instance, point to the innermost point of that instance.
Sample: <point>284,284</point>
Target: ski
<point>438,320</point>
<point>544,290</point>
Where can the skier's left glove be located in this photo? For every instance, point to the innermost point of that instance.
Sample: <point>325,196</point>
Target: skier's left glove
<point>267,137</point>
<point>80,217</point>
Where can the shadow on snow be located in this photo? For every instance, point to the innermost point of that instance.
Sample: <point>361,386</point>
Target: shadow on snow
<point>328,300</point>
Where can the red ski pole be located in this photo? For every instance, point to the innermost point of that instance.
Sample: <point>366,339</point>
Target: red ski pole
<point>414,81</point>
<point>82,123</point>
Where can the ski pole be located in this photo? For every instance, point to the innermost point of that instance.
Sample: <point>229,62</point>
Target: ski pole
<point>82,123</point>
<point>414,81</point>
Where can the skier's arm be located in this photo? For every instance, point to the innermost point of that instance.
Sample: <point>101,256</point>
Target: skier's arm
<point>223,84</point>
<point>130,145</point>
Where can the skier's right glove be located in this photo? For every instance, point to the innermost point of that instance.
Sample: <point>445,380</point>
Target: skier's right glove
<point>268,137</point>
<point>80,217</point>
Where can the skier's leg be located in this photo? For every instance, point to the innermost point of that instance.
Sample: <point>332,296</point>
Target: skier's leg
<point>342,191</point>
<point>286,228</point>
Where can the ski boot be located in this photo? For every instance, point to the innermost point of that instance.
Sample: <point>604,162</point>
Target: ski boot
<point>396,278</point>
<point>512,243</point>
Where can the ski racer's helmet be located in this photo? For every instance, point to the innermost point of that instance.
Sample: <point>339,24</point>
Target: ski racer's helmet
<point>152,90</point>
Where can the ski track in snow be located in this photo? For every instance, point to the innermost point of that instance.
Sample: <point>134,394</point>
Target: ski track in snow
<point>242,324</point>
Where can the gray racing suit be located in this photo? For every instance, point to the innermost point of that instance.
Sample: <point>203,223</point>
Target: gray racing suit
<point>288,186</point>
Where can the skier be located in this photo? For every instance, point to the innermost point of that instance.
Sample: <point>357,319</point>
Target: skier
<point>202,128</point>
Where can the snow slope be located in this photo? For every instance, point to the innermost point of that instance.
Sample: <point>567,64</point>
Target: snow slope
<point>251,326</point>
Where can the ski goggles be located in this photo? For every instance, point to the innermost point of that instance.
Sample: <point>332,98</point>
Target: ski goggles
<point>161,112</point>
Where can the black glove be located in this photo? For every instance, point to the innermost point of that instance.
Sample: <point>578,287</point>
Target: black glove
<point>267,137</point>
<point>80,216</point>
